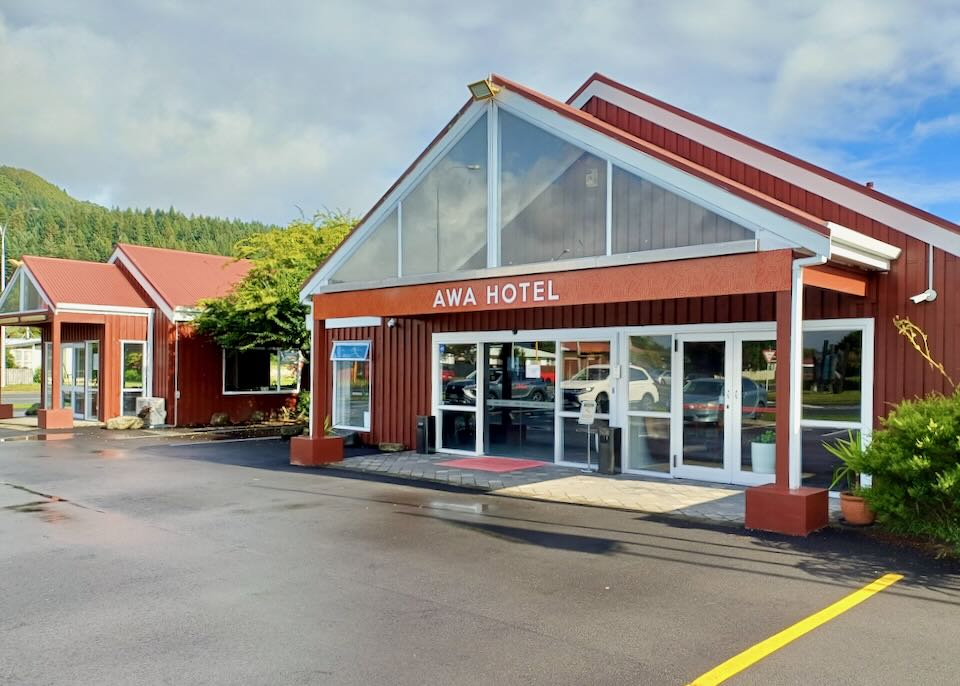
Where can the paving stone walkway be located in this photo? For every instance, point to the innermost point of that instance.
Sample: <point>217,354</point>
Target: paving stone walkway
<point>676,497</point>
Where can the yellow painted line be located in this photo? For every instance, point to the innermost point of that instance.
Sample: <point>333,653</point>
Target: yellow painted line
<point>751,656</point>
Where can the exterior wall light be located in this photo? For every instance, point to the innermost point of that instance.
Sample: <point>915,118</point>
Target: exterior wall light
<point>392,322</point>
<point>483,90</point>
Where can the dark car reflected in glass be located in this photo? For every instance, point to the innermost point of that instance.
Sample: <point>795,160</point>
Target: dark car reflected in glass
<point>703,400</point>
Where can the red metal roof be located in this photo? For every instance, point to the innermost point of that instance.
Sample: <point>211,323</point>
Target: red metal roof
<point>787,157</point>
<point>184,278</point>
<point>82,283</point>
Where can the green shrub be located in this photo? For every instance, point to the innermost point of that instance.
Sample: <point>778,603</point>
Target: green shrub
<point>37,375</point>
<point>303,405</point>
<point>915,463</point>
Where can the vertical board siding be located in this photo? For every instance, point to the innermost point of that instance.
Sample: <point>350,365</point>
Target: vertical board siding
<point>201,386</point>
<point>900,372</point>
<point>401,361</point>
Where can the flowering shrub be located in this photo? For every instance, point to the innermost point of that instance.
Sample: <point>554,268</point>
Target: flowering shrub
<point>915,463</point>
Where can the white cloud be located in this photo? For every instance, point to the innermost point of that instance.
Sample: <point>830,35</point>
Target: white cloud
<point>247,108</point>
<point>936,127</point>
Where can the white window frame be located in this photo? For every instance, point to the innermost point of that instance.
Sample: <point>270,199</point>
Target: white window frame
<point>336,386</point>
<point>275,391</point>
<point>619,355</point>
<point>144,372</point>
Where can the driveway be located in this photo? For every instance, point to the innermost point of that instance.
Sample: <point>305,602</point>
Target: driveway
<point>216,563</point>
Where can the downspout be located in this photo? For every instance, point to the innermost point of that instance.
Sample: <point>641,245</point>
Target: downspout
<point>176,374</point>
<point>311,429</point>
<point>796,363</point>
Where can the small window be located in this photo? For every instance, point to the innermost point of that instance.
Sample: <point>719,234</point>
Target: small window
<point>133,365</point>
<point>261,370</point>
<point>351,384</point>
<point>350,351</point>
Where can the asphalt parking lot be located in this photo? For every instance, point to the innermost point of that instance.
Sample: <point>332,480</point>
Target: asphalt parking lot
<point>215,563</point>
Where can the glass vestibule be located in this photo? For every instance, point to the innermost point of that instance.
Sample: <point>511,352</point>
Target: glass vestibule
<point>695,401</point>
<point>79,378</point>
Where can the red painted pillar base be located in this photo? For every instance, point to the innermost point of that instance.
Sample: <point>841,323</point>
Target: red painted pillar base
<point>60,418</point>
<point>6,411</point>
<point>795,512</point>
<point>313,452</point>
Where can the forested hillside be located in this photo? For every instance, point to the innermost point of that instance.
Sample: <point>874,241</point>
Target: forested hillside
<point>44,220</point>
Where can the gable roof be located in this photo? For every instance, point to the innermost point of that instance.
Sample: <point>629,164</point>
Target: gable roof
<point>858,197</point>
<point>181,279</point>
<point>608,133</point>
<point>79,282</point>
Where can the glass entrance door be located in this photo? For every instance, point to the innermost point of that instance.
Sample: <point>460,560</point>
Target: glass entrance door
<point>80,378</point>
<point>704,426</point>
<point>92,391</point>
<point>72,375</point>
<point>754,440</point>
<point>724,426</point>
<point>519,398</point>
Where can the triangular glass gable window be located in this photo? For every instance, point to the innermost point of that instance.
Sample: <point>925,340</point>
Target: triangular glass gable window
<point>649,217</point>
<point>444,221</point>
<point>32,301</point>
<point>375,258</point>
<point>553,196</point>
<point>11,296</point>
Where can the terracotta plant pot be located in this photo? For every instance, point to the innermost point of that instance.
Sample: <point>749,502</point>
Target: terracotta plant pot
<point>855,510</point>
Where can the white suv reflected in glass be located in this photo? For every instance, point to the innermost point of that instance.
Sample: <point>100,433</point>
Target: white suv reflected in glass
<point>593,382</point>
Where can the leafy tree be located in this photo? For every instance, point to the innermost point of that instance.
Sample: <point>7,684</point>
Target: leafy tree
<point>264,309</point>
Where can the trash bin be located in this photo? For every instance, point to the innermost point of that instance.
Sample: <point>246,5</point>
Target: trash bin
<point>426,434</point>
<point>608,454</point>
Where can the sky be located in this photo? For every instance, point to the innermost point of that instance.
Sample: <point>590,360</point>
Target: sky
<point>255,109</point>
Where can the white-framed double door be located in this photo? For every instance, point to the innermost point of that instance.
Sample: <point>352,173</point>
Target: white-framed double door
<point>725,400</point>
<point>80,378</point>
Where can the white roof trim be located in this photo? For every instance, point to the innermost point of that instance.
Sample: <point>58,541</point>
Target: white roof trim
<point>839,193</point>
<point>349,322</point>
<point>389,202</point>
<point>102,309</point>
<point>124,259</point>
<point>854,247</point>
<point>773,230</point>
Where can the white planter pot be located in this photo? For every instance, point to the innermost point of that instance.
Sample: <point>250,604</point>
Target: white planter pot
<point>763,456</point>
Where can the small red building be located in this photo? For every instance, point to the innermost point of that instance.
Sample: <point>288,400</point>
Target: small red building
<point>121,330</point>
<point>727,307</point>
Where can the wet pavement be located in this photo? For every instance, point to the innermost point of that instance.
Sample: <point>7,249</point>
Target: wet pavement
<point>152,561</point>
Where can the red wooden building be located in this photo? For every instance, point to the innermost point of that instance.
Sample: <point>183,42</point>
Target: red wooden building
<point>122,330</point>
<point>708,292</point>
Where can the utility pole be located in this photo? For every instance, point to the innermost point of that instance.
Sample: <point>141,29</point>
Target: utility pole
<point>3,286</point>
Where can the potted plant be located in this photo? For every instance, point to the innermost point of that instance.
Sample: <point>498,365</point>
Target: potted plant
<point>763,453</point>
<point>850,452</point>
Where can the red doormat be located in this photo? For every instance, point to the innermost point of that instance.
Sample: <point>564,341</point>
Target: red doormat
<point>492,464</point>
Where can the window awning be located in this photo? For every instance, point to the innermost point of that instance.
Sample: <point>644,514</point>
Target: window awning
<point>351,351</point>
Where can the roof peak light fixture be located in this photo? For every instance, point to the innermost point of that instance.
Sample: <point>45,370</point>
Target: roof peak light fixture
<point>483,90</point>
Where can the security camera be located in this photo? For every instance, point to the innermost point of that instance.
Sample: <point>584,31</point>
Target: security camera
<point>928,296</point>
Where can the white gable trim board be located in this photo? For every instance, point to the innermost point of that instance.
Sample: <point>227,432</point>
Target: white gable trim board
<point>121,257</point>
<point>837,192</point>
<point>773,231</point>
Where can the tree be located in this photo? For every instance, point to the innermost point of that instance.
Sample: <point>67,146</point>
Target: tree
<point>264,309</point>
